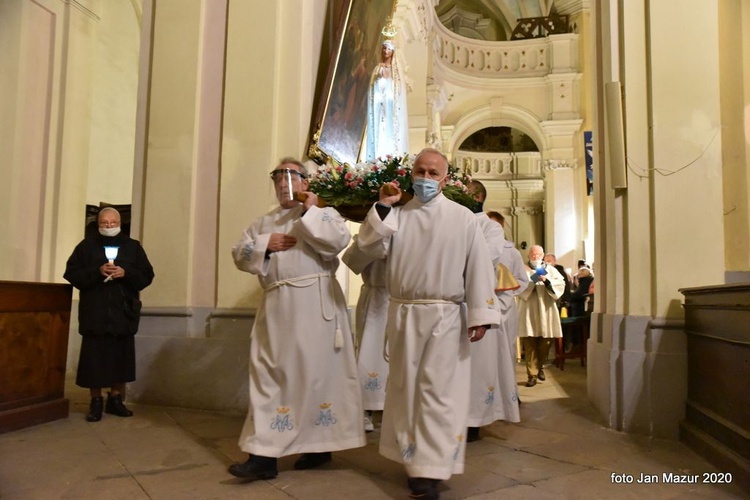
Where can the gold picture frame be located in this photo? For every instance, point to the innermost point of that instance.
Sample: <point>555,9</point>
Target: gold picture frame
<point>340,116</point>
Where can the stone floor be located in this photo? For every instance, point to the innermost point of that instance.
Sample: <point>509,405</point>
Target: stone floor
<point>561,449</point>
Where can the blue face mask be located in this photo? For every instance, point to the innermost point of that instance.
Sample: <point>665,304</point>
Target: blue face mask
<point>425,189</point>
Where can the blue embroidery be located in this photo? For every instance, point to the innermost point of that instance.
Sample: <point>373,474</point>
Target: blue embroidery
<point>490,398</point>
<point>372,384</point>
<point>408,452</point>
<point>460,439</point>
<point>282,423</point>
<point>326,217</point>
<point>325,418</point>
<point>247,251</point>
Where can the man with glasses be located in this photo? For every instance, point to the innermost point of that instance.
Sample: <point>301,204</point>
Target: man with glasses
<point>304,391</point>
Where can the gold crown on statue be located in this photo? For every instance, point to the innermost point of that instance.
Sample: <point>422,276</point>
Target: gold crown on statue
<point>389,30</point>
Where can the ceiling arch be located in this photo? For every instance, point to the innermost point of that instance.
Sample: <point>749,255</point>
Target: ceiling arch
<point>504,14</point>
<point>507,116</point>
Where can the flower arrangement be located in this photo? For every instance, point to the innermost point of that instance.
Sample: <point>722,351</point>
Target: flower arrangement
<point>344,186</point>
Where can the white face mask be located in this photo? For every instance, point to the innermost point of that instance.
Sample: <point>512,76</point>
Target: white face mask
<point>536,263</point>
<point>109,231</point>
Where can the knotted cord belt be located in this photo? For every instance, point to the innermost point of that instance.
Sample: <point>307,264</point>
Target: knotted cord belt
<point>399,300</point>
<point>424,301</point>
<point>309,280</point>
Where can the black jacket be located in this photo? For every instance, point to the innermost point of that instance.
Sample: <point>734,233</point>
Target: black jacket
<point>110,308</point>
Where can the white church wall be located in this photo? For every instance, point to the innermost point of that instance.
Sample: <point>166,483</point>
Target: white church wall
<point>734,39</point>
<point>114,51</point>
<point>268,94</point>
<point>268,102</point>
<point>662,226</point>
<point>45,139</point>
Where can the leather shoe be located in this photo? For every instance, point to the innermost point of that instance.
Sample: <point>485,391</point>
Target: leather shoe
<point>424,488</point>
<point>256,467</point>
<point>116,407</point>
<point>95,409</point>
<point>531,382</point>
<point>472,434</point>
<point>541,375</point>
<point>312,460</point>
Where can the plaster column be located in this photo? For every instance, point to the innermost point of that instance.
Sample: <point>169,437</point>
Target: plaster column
<point>182,168</point>
<point>562,234</point>
<point>223,105</point>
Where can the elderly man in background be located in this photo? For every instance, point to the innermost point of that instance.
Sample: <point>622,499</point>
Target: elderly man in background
<point>304,392</point>
<point>539,318</point>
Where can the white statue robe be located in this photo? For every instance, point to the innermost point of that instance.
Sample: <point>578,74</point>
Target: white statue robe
<point>304,391</point>
<point>387,119</point>
<point>437,260</point>
<point>537,308</point>
<point>494,395</point>
<point>371,317</point>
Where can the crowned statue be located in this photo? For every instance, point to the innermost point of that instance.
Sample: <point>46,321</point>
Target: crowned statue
<point>387,124</point>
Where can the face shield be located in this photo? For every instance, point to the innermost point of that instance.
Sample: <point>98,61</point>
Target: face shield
<point>284,177</point>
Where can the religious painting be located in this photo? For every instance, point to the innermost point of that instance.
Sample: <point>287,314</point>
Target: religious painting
<point>341,109</point>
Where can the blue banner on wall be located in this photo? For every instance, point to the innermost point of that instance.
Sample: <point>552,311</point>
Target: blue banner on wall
<point>588,143</point>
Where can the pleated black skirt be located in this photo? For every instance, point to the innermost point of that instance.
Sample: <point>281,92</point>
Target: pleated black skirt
<point>105,361</point>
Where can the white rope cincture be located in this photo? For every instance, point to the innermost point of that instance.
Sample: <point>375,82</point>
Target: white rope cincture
<point>299,282</point>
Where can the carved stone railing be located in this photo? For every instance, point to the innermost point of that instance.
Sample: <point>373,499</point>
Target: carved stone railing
<point>514,59</point>
<point>499,166</point>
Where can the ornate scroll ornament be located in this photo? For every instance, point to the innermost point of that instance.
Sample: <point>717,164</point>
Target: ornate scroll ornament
<point>314,152</point>
<point>560,164</point>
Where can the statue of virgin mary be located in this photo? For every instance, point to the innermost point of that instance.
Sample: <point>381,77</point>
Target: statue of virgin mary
<point>387,127</point>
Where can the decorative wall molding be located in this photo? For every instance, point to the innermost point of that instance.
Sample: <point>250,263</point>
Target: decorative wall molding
<point>571,164</point>
<point>499,166</point>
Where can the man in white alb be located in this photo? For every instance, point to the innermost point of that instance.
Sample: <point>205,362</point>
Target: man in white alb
<point>437,260</point>
<point>304,392</point>
<point>493,395</point>
<point>371,316</point>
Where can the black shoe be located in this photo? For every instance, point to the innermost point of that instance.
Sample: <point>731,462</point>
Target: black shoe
<point>541,375</point>
<point>312,460</point>
<point>95,409</point>
<point>115,406</point>
<point>472,434</point>
<point>424,488</point>
<point>256,467</point>
<point>531,382</point>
